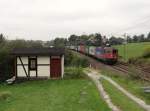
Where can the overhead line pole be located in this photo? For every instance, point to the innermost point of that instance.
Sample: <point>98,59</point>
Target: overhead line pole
<point>125,42</point>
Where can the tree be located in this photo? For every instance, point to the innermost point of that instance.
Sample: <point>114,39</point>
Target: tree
<point>73,39</point>
<point>148,36</point>
<point>48,43</point>
<point>141,38</point>
<point>35,44</point>
<point>60,42</point>
<point>83,39</point>
<point>2,38</point>
<point>98,39</point>
<point>116,41</point>
<point>129,39</point>
<point>135,38</point>
<point>91,40</point>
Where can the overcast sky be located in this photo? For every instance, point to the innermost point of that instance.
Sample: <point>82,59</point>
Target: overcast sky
<point>47,19</point>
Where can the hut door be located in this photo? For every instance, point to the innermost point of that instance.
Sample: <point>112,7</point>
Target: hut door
<point>55,67</point>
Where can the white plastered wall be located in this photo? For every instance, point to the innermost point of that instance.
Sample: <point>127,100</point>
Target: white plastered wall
<point>43,67</point>
<point>20,70</point>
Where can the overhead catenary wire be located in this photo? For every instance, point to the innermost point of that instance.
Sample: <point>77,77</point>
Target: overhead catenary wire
<point>142,22</point>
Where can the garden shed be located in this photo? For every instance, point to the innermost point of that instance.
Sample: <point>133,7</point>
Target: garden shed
<point>38,62</point>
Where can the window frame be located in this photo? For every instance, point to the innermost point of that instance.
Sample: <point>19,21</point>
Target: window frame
<point>29,65</point>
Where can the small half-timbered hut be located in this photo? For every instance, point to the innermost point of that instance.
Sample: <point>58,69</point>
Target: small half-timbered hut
<point>38,62</point>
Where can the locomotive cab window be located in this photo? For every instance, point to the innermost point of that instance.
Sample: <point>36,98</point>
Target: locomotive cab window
<point>32,63</point>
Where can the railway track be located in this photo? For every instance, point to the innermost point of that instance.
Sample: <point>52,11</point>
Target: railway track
<point>121,67</point>
<point>141,71</point>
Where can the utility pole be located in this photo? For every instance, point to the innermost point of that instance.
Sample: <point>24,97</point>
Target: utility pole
<point>125,42</point>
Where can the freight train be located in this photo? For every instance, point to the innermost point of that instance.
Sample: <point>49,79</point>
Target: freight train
<point>107,55</point>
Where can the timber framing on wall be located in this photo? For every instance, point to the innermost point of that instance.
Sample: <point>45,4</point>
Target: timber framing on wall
<point>28,66</point>
<point>27,75</point>
<point>16,66</point>
<point>22,67</point>
<point>28,70</point>
<point>36,66</point>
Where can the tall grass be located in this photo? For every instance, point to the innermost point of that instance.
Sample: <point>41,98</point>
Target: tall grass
<point>74,72</point>
<point>146,53</point>
<point>4,95</point>
<point>119,99</point>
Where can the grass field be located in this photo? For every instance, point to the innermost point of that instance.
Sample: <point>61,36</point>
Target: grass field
<point>132,85</point>
<point>132,49</point>
<point>119,99</point>
<point>53,95</point>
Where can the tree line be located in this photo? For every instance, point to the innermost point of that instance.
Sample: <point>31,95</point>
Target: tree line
<point>98,40</point>
<point>92,39</point>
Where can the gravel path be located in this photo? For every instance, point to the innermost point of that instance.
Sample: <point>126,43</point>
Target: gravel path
<point>95,76</point>
<point>140,102</point>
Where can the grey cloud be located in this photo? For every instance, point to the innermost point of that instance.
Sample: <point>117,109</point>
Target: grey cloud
<point>31,19</point>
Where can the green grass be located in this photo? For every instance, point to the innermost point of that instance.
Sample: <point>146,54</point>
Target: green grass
<point>119,99</point>
<point>132,85</point>
<point>132,49</point>
<point>53,95</point>
<point>148,59</point>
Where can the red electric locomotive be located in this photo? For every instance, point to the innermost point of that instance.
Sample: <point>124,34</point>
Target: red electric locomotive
<point>110,55</point>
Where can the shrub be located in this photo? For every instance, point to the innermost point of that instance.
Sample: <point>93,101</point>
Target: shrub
<point>79,62</point>
<point>74,72</point>
<point>136,60</point>
<point>5,95</point>
<point>74,60</point>
<point>134,73</point>
<point>132,60</point>
<point>6,69</point>
<point>68,57</point>
<point>146,53</point>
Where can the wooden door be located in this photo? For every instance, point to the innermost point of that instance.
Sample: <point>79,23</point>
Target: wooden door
<point>55,68</point>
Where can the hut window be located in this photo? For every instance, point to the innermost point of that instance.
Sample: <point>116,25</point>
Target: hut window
<point>32,63</point>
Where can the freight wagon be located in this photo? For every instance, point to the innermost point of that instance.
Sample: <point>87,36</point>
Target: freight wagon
<point>108,55</point>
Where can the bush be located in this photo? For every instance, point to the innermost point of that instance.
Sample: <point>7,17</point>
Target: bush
<point>132,60</point>
<point>79,62</point>
<point>6,69</point>
<point>74,72</point>
<point>137,60</point>
<point>146,53</point>
<point>68,57</point>
<point>5,95</point>
<point>74,60</point>
<point>134,73</point>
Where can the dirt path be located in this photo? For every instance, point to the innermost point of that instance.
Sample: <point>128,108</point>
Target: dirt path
<point>95,76</point>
